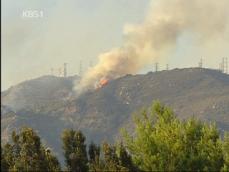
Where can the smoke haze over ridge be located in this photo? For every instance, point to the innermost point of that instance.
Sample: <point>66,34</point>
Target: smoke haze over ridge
<point>157,35</point>
<point>69,31</point>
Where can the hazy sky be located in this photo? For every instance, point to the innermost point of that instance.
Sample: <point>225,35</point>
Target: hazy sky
<point>74,30</point>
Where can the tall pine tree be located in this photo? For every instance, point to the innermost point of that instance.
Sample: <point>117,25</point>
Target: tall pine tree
<point>26,153</point>
<point>75,151</point>
<point>94,152</point>
<point>164,143</point>
<point>125,159</point>
<point>95,163</point>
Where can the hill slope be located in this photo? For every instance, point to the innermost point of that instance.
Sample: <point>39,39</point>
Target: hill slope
<point>47,105</point>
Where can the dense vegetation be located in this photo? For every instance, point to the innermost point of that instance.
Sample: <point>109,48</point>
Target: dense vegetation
<point>160,142</point>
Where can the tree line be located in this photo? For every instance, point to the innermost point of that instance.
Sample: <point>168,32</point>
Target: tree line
<point>159,142</point>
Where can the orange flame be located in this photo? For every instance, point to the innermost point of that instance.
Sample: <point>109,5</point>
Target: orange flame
<point>103,82</point>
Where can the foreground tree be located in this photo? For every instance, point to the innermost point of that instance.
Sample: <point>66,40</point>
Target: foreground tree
<point>110,158</point>
<point>164,143</point>
<point>95,163</point>
<point>160,142</point>
<point>75,151</point>
<point>4,160</point>
<point>94,152</point>
<point>226,152</point>
<point>125,159</point>
<point>115,158</point>
<point>26,153</point>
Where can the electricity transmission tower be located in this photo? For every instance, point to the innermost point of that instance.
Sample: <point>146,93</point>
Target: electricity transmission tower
<point>156,67</point>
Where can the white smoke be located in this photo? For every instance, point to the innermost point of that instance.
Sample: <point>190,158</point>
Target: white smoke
<point>165,22</point>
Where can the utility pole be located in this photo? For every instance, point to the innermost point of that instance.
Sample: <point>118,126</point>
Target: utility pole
<point>223,65</point>
<point>60,71</point>
<point>226,65</point>
<point>51,71</point>
<point>167,66</point>
<point>201,63</point>
<point>220,67</point>
<point>156,67</point>
<point>65,69</point>
<point>80,68</point>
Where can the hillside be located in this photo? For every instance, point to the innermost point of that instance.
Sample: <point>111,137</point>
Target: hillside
<point>48,105</point>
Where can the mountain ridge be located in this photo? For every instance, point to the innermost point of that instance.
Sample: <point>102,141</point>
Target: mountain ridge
<point>48,104</point>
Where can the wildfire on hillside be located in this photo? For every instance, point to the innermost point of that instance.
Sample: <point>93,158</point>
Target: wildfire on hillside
<point>103,82</point>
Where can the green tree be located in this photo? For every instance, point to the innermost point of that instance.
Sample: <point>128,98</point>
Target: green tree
<point>161,142</point>
<point>75,151</point>
<point>109,162</point>
<point>96,163</point>
<point>52,163</point>
<point>26,153</point>
<point>94,152</point>
<point>226,152</point>
<point>125,159</point>
<point>5,159</point>
<point>111,159</point>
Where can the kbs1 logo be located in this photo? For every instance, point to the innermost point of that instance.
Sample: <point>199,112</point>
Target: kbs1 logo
<point>32,14</point>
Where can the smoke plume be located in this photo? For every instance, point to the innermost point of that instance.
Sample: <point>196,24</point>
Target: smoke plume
<point>165,22</point>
